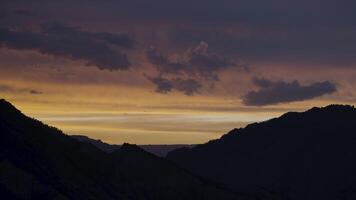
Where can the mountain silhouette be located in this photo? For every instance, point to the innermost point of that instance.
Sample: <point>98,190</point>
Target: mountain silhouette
<point>158,150</point>
<point>40,162</point>
<point>303,156</point>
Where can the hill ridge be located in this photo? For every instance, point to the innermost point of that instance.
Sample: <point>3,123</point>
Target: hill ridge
<point>310,152</point>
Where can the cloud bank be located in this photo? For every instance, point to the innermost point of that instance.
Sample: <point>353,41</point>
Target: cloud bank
<point>275,92</point>
<point>96,49</point>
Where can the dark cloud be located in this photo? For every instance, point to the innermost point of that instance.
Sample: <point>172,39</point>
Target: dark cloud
<point>97,49</point>
<point>187,86</point>
<point>188,70</point>
<point>207,64</point>
<point>274,92</point>
<point>163,63</point>
<point>163,85</point>
<point>35,92</point>
<point>196,62</point>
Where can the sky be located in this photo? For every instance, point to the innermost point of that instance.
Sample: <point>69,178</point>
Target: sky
<point>174,72</point>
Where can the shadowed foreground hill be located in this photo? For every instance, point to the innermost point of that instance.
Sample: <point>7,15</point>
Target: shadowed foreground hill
<point>304,156</point>
<point>40,162</point>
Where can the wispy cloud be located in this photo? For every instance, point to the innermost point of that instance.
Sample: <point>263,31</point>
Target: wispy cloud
<point>10,89</point>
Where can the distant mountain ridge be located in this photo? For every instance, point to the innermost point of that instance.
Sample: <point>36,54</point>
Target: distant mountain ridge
<point>40,162</point>
<point>158,150</point>
<point>302,156</point>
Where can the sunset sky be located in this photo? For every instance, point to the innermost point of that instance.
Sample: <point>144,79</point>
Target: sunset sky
<point>174,72</point>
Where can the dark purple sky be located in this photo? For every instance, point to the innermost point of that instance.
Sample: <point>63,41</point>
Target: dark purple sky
<point>164,55</point>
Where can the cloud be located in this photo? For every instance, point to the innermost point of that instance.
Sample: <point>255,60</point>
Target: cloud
<point>275,92</point>
<point>196,62</point>
<point>6,88</point>
<point>162,63</point>
<point>188,70</point>
<point>35,92</point>
<point>97,49</point>
<point>10,89</point>
<point>187,86</point>
<point>207,64</point>
<point>163,85</point>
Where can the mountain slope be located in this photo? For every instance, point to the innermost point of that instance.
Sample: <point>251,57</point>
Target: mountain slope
<point>40,162</point>
<point>309,155</point>
<point>158,150</point>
